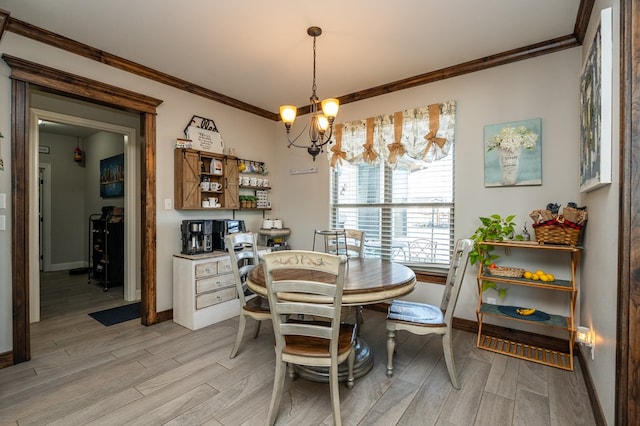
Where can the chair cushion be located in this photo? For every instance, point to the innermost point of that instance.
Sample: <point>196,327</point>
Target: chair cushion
<point>317,347</point>
<point>415,312</point>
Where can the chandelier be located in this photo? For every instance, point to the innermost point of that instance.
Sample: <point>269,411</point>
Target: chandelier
<point>322,114</point>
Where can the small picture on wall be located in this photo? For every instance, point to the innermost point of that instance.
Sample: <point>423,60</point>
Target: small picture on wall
<point>513,153</point>
<point>112,176</point>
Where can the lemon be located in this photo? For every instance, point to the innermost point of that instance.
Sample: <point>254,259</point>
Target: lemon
<point>544,278</point>
<point>528,274</point>
<point>535,277</point>
<point>540,272</point>
<point>550,277</point>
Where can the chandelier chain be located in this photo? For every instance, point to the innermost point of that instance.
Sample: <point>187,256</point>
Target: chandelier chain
<point>314,86</point>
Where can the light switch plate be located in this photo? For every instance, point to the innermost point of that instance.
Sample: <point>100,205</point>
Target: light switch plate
<point>167,204</point>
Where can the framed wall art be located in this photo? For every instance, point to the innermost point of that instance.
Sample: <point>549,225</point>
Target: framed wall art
<point>595,109</point>
<point>513,153</point>
<point>112,176</point>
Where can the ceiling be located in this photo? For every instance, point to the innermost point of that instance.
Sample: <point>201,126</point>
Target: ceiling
<point>258,51</point>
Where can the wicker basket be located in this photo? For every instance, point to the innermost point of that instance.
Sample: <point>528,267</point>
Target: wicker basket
<point>505,271</point>
<point>558,231</point>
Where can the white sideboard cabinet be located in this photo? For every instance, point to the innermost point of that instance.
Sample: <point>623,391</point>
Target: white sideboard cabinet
<point>204,291</point>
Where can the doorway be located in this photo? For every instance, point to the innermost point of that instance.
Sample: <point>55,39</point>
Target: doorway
<point>131,204</point>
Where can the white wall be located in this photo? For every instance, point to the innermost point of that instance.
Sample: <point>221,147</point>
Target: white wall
<point>67,245</point>
<point>545,87</point>
<point>598,295</point>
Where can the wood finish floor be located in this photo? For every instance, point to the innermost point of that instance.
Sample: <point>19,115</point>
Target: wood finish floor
<point>84,373</point>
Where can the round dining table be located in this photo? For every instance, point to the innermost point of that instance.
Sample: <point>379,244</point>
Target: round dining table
<point>367,281</point>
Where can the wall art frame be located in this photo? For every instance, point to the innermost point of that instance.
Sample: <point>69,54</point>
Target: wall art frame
<point>513,153</point>
<point>596,108</point>
<point>112,176</point>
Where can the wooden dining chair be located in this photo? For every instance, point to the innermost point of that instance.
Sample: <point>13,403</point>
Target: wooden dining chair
<point>422,319</point>
<point>242,262</point>
<point>354,241</point>
<point>294,294</point>
<point>353,246</point>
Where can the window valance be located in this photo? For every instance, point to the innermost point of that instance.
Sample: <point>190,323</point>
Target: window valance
<point>425,133</point>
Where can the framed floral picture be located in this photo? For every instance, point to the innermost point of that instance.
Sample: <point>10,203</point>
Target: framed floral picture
<point>513,153</point>
<point>595,109</point>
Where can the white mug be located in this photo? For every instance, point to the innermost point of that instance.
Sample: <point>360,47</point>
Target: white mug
<point>245,180</point>
<point>259,182</point>
<point>213,201</point>
<point>266,182</point>
<point>205,203</point>
<point>216,186</point>
<point>205,186</point>
<point>253,182</point>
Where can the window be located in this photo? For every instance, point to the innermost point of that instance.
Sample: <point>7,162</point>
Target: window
<point>405,208</point>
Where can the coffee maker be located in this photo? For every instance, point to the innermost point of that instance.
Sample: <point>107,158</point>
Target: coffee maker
<point>197,236</point>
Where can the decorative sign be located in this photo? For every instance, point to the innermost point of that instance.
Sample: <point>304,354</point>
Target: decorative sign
<point>205,140</point>
<point>204,135</point>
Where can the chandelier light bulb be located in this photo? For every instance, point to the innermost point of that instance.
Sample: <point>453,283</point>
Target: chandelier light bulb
<point>288,113</point>
<point>330,107</point>
<point>323,123</point>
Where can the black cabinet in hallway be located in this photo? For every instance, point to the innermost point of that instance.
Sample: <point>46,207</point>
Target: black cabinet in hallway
<point>106,247</point>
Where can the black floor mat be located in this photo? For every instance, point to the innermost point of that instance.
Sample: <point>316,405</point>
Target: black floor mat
<point>117,315</point>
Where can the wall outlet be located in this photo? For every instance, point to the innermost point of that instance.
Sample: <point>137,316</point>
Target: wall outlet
<point>492,300</point>
<point>167,204</point>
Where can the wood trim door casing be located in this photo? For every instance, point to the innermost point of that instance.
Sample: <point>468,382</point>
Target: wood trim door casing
<point>627,381</point>
<point>20,220</point>
<point>25,74</point>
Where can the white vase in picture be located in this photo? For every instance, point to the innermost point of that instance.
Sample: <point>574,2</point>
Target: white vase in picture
<point>509,160</point>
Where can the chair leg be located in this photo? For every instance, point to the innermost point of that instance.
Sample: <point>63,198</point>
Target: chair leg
<point>335,395</point>
<point>448,358</point>
<point>257,328</point>
<point>278,382</point>
<point>391,346</point>
<point>241,325</point>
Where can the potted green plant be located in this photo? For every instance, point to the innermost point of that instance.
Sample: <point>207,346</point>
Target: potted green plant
<point>493,228</point>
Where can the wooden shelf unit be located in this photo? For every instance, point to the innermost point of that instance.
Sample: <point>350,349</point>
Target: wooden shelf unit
<point>563,360</point>
<point>191,166</point>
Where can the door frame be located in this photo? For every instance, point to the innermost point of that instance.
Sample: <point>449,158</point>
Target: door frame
<point>24,76</point>
<point>131,204</point>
